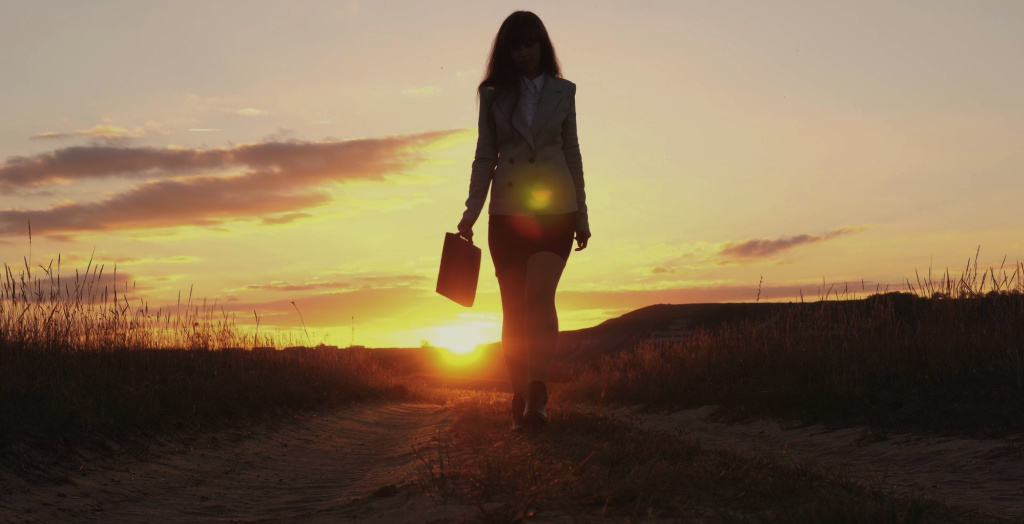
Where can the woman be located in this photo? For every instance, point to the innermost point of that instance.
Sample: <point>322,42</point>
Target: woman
<point>528,153</point>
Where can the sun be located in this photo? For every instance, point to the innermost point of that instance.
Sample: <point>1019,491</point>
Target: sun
<point>463,338</point>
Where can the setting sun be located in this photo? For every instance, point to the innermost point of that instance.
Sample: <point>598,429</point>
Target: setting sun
<point>463,338</point>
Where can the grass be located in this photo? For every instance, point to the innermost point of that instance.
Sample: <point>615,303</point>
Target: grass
<point>83,364</point>
<point>80,365</point>
<point>945,356</point>
<point>589,467</point>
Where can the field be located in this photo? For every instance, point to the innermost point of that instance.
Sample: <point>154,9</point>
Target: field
<point>83,370</point>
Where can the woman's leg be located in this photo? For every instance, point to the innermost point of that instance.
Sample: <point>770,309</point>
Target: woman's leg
<point>543,270</point>
<point>506,250</point>
<point>512,284</point>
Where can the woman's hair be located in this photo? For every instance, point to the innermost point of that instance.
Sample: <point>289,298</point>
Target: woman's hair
<point>502,74</point>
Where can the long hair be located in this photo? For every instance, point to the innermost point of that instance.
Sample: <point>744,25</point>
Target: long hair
<point>502,74</point>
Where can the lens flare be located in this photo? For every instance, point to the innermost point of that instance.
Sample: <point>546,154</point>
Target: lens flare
<point>540,198</point>
<point>526,225</point>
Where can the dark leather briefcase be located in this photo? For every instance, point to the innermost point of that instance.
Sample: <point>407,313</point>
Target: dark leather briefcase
<point>460,269</point>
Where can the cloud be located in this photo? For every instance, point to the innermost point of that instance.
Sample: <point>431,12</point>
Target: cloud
<point>636,298</point>
<point>363,282</point>
<point>277,177</point>
<point>205,201</point>
<point>51,135</point>
<point>421,91</point>
<point>764,248</point>
<point>101,131</point>
<point>285,218</point>
<point>104,131</point>
<point>250,111</point>
<point>335,308</point>
<point>120,260</point>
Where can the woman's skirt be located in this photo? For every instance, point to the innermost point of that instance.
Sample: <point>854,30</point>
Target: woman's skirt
<point>513,238</point>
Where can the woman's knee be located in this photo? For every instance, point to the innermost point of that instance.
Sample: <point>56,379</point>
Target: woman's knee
<point>539,300</point>
<point>543,271</point>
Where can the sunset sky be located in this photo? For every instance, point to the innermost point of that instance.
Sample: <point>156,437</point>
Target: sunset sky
<point>262,153</point>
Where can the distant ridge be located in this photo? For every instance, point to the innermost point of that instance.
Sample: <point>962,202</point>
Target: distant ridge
<point>660,321</point>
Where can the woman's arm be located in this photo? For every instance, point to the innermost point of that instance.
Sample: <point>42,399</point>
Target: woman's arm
<point>484,162</point>
<point>573,158</point>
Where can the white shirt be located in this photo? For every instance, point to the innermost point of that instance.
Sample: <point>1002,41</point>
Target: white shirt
<point>529,95</point>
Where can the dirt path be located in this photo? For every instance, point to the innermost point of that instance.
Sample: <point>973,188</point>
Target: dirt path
<point>971,473</point>
<point>352,465</point>
<point>319,468</point>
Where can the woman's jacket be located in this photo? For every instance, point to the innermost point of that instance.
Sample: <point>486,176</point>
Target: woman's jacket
<point>530,169</point>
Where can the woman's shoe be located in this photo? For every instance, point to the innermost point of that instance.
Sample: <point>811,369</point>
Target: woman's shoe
<point>518,406</point>
<point>536,415</point>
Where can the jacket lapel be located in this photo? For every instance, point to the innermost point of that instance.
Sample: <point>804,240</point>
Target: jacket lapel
<point>520,125</point>
<point>550,98</point>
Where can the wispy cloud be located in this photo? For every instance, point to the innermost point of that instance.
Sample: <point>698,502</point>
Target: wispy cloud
<point>726,292</point>
<point>421,91</point>
<point>101,131</point>
<point>333,308</point>
<point>277,177</point>
<point>121,260</point>
<point>764,248</point>
<point>48,135</point>
<point>250,111</point>
<point>105,133</point>
<point>363,282</point>
<point>285,218</point>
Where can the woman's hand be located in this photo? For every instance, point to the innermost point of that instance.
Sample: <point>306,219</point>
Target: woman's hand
<point>465,230</point>
<point>581,240</point>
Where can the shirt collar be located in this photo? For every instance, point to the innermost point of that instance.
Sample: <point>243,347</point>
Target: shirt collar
<point>537,82</point>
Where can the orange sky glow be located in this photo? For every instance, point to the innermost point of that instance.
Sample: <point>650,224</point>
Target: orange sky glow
<point>279,160</point>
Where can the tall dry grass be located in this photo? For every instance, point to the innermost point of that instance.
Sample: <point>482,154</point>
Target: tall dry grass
<point>80,363</point>
<point>945,355</point>
<point>44,309</point>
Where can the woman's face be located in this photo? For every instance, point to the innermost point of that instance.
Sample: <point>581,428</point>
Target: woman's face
<point>526,54</point>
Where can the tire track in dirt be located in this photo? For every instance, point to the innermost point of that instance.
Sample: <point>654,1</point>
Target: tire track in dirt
<point>985,474</point>
<point>316,468</point>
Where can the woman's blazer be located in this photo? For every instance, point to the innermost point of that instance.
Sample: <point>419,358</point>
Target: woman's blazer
<point>531,169</point>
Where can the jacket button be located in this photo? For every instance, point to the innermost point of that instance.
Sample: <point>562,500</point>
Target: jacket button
<point>511,160</point>
<point>531,159</point>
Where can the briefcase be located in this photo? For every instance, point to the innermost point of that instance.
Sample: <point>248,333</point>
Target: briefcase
<point>460,269</point>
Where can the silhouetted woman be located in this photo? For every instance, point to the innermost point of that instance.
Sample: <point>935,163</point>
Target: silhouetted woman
<point>528,153</point>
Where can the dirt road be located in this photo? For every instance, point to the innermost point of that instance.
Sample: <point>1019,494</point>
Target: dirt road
<point>318,468</point>
<point>358,463</point>
<point>985,474</point>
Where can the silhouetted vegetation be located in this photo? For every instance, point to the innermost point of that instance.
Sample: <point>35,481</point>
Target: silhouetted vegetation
<point>946,356</point>
<point>80,364</point>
